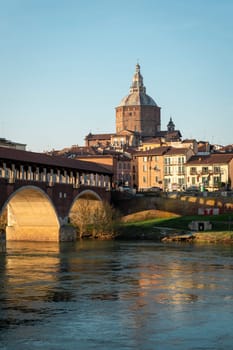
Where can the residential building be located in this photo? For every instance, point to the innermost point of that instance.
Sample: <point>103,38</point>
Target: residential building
<point>175,168</point>
<point>122,170</point>
<point>148,168</point>
<point>150,143</point>
<point>212,172</point>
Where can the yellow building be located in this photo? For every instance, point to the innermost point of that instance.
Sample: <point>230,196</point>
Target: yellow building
<point>175,161</point>
<point>213,171</point>
<point>148,168</point>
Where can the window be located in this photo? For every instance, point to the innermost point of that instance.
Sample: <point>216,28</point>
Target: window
<point>181,181</point>
<point>193,170</point>
<point>217,170</point>
<point>204,170</point>
<point>167,170</point>
<point>144,179</point>
<point>144,159</point>
<point>144,167</point>
<point>167,160</point>
<point>181,170</point>
<point>217,180</point>
<point>205,180</point>
<point>180,160</point>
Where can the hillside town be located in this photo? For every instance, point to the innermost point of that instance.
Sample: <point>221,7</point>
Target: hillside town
<point>145,158</point>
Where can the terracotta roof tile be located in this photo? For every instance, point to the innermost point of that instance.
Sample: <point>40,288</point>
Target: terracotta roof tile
<point>99,136</point>
<point>213,158</point>
<point>157,151</point>
<point>173,151</point>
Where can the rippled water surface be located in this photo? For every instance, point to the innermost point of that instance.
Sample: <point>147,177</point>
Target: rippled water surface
<point>116,295</point>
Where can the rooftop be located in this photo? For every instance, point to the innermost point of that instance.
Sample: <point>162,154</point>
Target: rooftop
<point>40,159</point>
<point>213,158</point>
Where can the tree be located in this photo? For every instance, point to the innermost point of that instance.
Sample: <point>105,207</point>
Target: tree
<point>95,219</point>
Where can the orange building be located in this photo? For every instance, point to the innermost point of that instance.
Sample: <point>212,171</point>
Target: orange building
<point>148,168</point>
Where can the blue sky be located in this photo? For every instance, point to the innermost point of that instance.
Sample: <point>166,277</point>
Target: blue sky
<point>66,64</point>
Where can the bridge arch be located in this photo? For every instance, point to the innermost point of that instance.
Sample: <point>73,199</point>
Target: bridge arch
<point>31,215</point>
<point>83,208</point>
<point>86,195</point>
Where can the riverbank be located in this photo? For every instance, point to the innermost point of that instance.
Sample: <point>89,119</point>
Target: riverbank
<point>164,226</point>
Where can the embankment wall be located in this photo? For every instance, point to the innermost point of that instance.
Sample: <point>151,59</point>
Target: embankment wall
<point>178,204</point>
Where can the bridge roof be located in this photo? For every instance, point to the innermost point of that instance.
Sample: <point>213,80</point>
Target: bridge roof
<point>41,159</point>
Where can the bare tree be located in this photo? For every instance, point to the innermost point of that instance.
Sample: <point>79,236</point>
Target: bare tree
<point>94,218</point>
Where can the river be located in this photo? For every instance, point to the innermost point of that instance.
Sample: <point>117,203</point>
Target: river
<point>116,295</point>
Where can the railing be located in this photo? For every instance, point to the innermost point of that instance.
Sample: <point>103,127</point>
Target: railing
<point>51,178</point>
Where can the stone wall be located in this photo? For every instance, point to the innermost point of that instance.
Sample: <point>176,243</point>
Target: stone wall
<point>177,204</point>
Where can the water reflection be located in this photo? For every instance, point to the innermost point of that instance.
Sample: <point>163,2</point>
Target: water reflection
<point>131,295</point>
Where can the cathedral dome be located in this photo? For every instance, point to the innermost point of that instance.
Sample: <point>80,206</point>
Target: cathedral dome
<point>137,95</point>
<point>137,99</point>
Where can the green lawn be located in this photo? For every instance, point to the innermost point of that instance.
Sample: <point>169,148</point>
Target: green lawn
<point>222,222</point>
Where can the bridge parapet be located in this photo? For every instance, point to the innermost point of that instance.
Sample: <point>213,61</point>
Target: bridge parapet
<point>52,177</point>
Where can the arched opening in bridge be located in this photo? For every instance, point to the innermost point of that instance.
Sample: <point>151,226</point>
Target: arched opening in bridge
<point>89,214</point>
<point>31,216</point>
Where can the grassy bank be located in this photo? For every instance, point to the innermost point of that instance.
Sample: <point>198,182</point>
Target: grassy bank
<point>153,226</point>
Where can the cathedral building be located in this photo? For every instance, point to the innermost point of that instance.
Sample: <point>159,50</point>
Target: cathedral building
<point>137,118</point>
<point>138,112</point>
